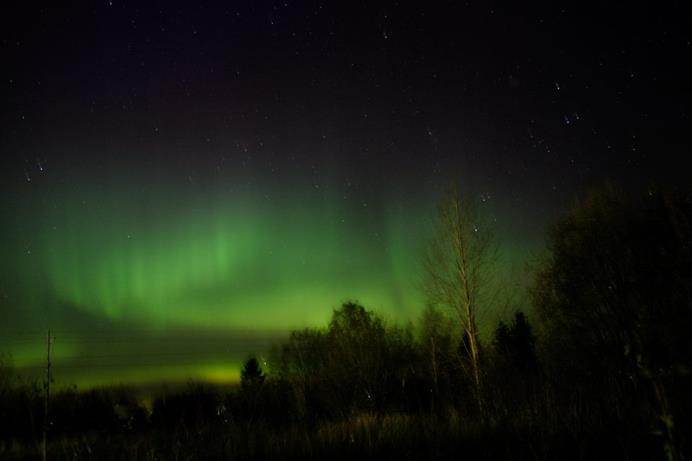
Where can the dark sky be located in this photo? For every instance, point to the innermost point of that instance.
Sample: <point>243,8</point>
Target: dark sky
<point>247,166</point>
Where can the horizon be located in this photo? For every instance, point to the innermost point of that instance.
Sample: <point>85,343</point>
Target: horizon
<point>203,171</point>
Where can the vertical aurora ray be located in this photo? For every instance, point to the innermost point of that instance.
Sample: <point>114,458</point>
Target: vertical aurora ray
<point>135,261</point>
<point>240,260</point>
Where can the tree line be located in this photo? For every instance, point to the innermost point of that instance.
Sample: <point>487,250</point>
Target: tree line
<point>597,364</point>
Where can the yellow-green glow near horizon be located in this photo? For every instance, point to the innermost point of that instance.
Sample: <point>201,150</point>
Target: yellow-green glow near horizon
<point>227,259</point>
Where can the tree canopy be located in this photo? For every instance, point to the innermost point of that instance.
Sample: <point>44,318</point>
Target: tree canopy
<point>618,280</point>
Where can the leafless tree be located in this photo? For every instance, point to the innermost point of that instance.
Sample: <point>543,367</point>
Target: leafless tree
<point>458,265</point>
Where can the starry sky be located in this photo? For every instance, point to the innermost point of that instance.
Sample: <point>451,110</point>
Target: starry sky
<point>182,183</point>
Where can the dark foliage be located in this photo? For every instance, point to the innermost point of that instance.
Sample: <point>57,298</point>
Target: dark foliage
<point>356,365</point>
<point>615,303</point>
<point>606,375</point>
<point>251,376</point>
<point>197,407</point>
<point>515,344</point>
<point>617,287</point>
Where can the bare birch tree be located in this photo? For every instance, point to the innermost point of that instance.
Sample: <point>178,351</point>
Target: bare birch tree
<point>457,267</point>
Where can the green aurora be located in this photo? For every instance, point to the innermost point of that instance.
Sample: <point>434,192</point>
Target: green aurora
<point>147,282</point>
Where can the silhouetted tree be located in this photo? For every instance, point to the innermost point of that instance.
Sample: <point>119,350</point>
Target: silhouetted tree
<point>401,372</point>
<point>356,349</point>
<point>355,365</point>
<point>614,295</point>
<point>439,356</point>
<point>515,343</point>
<point>503,338</point>
<point>457,266</point>
<point>303,361</point>
<point>251,376</point>
<point>251,381</point>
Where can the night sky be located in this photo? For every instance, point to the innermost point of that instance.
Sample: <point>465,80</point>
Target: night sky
<point>181,184</point>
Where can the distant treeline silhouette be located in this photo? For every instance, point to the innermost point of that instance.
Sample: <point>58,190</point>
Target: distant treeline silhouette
<point>597,366</point>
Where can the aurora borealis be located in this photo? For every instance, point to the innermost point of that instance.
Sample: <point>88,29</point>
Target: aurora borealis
<point>232,249</point>
<point>202,279</point>
<point>183,185</point>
